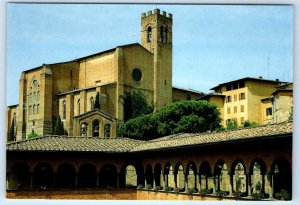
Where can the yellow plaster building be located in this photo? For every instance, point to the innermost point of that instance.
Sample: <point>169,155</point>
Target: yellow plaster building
<point>69,89</point>
<point>252,99</point>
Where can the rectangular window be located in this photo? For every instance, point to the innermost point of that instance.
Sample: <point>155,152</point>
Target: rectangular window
<point>228,99</point>
<point>242,108</point>
<point>235,97</point>
<point>242,96</point>
<point>235,109</point>
<point>268,111</point>
<point>228,110</point>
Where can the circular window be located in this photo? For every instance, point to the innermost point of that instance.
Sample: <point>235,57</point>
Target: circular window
<point>136,74</point>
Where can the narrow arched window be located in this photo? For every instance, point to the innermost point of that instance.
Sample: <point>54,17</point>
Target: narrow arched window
<point>38,109</point>
<point>107,130</point>
<point>78,107</point>
<point>92,103</point>
<point>30,110</point>
<point>38,95</point>
<point>149,34</point>
<point>34,97</point>
<point>34,109</point>
<point>64,109</point>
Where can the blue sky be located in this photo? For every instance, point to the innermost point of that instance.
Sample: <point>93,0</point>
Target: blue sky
<point>211,44</point>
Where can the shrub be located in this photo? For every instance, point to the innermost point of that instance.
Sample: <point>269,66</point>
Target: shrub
<point>204,191</point>
<point>149,186</point>
<point>169,188</point>
<point>32,135</point>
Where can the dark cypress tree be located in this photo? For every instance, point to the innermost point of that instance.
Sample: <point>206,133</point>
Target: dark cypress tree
<point>97,101</point>
<point>12,131</point>
<point>59,127</point>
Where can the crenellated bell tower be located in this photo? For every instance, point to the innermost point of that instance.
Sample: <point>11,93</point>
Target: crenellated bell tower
<point>156,36</point>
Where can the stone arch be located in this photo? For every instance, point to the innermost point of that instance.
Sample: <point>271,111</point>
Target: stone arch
<point>149,175</point>
<point>65,176</point>
<point>239,178</point>
<point>179,175</point>
<point>206,181</point>
<point>191,173</point>
<point>43,176</point>
<point>221,176</point>
<point>87,176</point>
<point>84,129</point>
<point>282,175</point>
<point>19,177</point>
<point>108,176</point>
<point>257,175</point>
<point>96,128</point>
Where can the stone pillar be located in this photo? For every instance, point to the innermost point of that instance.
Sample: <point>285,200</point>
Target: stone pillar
<point>31,180</point>
<point>230,184</point>
<point>76,180</point>
<point>271,192</point>
<point>197,181</point>
<point>145,183</point>
<point>97,182</point>
<point>248,184</point>
<point>154,184</point>
<point>165,182</point>
<point>118,180</point>
<point>54,180</point>
<point>161,179</point>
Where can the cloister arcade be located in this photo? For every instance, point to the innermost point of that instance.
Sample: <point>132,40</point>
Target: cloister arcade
<point>221,175</point>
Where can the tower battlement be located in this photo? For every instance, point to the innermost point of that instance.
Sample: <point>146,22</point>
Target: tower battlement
<point>157,11</point>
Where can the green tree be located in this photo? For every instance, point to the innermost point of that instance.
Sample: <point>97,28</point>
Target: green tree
<point>247,123</point>
<point>11,136</point>
<point>135,104</point>
<point>59,127</point>
<point>97,101</point>
<point>184,116</point>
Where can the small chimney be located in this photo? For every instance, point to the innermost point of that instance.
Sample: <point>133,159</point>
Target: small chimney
<point>260,77</point>
<point>277,79</point>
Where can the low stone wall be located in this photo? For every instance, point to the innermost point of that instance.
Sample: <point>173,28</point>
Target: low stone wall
<point>161,195</point>
<point>114,194</point>
<point>101,194</point>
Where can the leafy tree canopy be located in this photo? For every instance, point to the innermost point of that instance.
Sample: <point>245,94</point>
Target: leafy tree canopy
<point>135,104</point>
<point>184,116</point>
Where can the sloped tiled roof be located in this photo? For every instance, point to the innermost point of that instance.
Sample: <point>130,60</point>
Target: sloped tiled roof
<point>185,139</point>
<point>78,144</point>
<point>89,144</point>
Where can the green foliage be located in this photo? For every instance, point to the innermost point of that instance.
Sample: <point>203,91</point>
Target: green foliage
<point>185,116</point>
<point>231,125</point>
<point>247,123</point>
<point>59,127</point>
<point>283,195</point>
<point>11,136</point>
<point>97,101</point>
<point>135,104</point>
<point>32,135</point>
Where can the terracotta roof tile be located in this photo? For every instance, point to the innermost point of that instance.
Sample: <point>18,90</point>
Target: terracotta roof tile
<point>89,144</point>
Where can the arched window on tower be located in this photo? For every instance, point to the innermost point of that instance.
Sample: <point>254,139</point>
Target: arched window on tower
<point>149,34</point>
<point>38,109</point>
<point>30,110</point>
<point>64,110</point>
<point>163,34</point>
